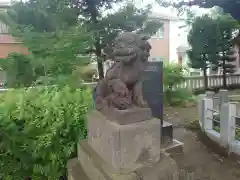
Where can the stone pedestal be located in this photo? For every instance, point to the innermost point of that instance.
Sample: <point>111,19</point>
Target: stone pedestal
<point>125,147</point>
<point>122,152</point>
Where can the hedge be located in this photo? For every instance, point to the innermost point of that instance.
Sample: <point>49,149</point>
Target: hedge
<point>39,130</point>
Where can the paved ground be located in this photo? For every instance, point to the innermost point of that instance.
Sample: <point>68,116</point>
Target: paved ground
<point>197,158</point>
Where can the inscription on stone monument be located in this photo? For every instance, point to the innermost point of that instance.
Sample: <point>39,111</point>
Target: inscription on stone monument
<point>152,79</point>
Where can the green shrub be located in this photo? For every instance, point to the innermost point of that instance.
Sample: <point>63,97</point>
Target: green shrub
<point>179,97</point>
<point>40,128</point>
<point>85,73</point>
<point>174,75</point>
<point>60,80</point>
<point>238,134</point>
<point>19,70</point>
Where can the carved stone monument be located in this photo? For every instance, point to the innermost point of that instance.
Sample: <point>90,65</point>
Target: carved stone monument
<point>124,131</point>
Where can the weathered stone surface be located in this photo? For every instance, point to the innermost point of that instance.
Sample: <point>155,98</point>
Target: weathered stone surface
<point>125,147</point>
<point>127,116</point>
<point>75,170</point>
<point>121,87</point>
<point>176,147</point>
<point>97,169</point>
<point>165,169</point>
<point>167,133</point>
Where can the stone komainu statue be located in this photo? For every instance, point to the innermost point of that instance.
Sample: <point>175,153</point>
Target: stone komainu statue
<point>121,88</point>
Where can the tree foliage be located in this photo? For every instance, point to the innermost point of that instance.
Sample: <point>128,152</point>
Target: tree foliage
<point>211,40</point>
<point>229,6</point>
<point>174,76</point>
<point>54,43</point>
<point>203,41</point>
<point>227,28</point>
<point>106,27</point>
<point>43,24</point>
<point>19,70</point>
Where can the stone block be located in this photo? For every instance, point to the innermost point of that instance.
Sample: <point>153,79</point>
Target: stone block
<point>210,94</point>
<point>127,116</point>
<point>167,133</point>
<point>201,110</point>
<point>125,147</point>
<point>97,169</point>
<point>223,95</point>
<point>75,170</point>
<point>176,147</point>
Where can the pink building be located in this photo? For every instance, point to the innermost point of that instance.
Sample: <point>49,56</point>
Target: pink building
<point>167,41</point>
<point>7,43</point>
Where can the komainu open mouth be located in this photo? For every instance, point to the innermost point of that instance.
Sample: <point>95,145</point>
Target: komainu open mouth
<point>125,54</point>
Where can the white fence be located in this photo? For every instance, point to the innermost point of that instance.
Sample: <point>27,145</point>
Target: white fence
<point>196,82</point>
<point>220,121</point>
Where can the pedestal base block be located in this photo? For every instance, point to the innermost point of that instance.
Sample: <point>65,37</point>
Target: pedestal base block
<point>96,168</point>
<point>125,147</point>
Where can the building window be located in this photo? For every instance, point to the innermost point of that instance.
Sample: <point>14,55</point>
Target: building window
<point>160,33</point>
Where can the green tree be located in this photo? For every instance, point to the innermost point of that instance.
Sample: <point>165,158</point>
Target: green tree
<point>19,70</point>
<point>107,26</point>
<point>54,42</point>
<point>204,45</point>
<point>46,17</point>
<point>226,28</point>
<point>229,6</point>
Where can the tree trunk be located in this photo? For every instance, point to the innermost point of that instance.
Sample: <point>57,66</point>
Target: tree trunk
<point>99,58</point>
<point>100,68</point>
<point>98,48</point>
<point>205,78</point>
<point>224,75</point>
